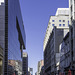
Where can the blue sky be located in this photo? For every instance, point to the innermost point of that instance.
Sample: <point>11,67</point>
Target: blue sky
<point>36,15</point>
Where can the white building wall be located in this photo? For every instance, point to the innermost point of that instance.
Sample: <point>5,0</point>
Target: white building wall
<point>72,10</point>
<point>62,11</point>
<point>61,17</point>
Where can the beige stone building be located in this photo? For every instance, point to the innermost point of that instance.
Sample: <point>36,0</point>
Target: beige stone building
<point>40,65</point>
<point>60,20</point>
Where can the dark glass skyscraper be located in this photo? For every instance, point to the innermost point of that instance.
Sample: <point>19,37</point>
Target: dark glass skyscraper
<point>12,35</point>
<point>25,63</point>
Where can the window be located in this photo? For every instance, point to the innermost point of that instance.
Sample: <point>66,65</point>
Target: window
<point>63,20</point>
<point>59,20</point>
<point>59,24</point>
<point>63,24</point>
<point>53,24</point>
<point>68,23</point>
<point>53,20</point>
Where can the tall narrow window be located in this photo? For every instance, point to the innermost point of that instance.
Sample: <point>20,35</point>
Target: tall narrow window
<point>63,20</point>
<point>53,24</point>
<point>59,24</point>
<point>53,20</point>
<point>63,24</point>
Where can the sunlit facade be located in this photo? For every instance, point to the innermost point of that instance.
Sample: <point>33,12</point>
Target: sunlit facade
<point>58,27</point>
<point>60,20</point>
<point>39,67</point>
<point>72,11</point>
<point>65,55</point>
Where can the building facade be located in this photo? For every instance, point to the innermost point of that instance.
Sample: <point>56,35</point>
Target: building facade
<point>1,61</point>
<point>12,36</point>
<point>42,71</point>
<point>36,73</point>
<point>39,67</point>
<point>18,68</point>
<point>11,67</point>
<point>72,47</point>
<point>65,61</point>
<point>30,70</point>
<point>15,67</point>
<point>29,73</point>
<point>58,26</point>
<point>51,53</point>
<point>25,63</point>
<point>60,20</point>
<point>2,22</point>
